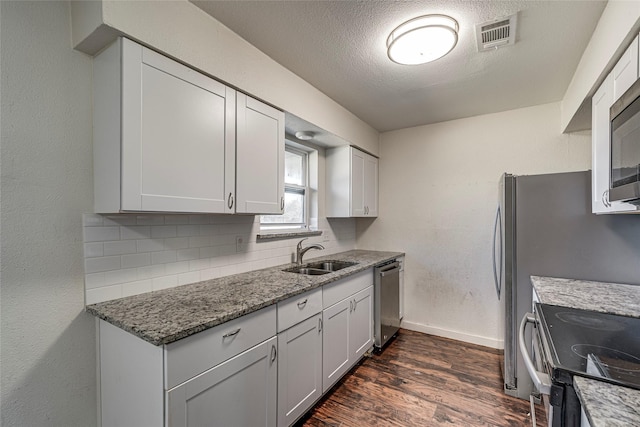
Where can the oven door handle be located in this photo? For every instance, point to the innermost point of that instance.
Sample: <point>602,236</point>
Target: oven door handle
<point>540,379</point>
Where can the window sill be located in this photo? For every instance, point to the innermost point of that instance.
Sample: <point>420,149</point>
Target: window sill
<point>266,236</point>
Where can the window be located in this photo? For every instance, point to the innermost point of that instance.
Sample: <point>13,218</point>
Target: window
<point>296,192</point>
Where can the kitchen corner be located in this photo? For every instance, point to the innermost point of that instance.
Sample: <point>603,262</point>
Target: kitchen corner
<point>603,403</point>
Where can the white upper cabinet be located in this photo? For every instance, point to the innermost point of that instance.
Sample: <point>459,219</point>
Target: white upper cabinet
<point>601,102</point>
<point>625,73</point>
<point>352,183</point>
<point>259,157</point>
<point>165,139</point>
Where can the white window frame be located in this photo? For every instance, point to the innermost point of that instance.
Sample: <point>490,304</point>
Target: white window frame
<point>293,188</point>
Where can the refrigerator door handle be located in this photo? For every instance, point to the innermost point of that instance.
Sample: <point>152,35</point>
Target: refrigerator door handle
<point>497,273</point>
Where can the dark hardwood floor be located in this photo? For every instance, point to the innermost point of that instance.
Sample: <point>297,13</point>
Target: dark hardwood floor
<point>423,380</point>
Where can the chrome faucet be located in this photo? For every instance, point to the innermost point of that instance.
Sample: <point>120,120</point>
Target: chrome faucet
<point>300,251</point>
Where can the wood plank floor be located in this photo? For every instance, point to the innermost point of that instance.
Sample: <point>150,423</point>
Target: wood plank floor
<point>423,380</point>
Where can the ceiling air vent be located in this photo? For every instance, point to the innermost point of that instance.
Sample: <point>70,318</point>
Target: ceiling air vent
<point>497,33</point>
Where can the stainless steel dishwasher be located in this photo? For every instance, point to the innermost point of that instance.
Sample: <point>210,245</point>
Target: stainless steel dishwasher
<point>386,303</point>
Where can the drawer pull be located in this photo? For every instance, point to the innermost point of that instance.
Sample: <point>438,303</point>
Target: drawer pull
<point>231,334</point>
<point>301,304</point>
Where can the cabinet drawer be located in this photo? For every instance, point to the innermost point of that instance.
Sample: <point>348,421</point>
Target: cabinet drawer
<point>337,291</point>
<point>195,354</point>
<point>298,308</point>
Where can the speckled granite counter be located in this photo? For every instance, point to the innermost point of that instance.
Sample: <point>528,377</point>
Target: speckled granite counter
<point>611,298</point>
<point>605,404</point>
<point>608,405</point>
<point>162,317</point>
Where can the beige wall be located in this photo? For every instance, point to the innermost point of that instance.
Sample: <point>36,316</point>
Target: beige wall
<point>438,195</point>
<point>48,375</point>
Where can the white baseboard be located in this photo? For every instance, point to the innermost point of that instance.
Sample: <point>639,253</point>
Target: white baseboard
<point>455,335</point>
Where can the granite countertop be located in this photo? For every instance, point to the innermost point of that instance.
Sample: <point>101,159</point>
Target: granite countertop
<point>608,405</point>
<point>612,298</point>
<point>165,316</point>
<point>605,404</point>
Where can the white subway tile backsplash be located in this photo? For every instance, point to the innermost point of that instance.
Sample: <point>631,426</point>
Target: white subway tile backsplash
<point>150,219</point>
<point>120,247</point>
<point>120,276</point>
<point>137,287</point>
<point>165,282</point>
<point>163,231</point>
<point>93,249</point>
<point>188,230</point>
<point>190,277</point>
<point>101,234</point>
<point>150,245</point>
<point>135,260</point>
<point>105,293</point>
<point>176,243</point>
<point>164,257</point>
<point>129,254</point>
<point>106,263</point>
<point>176,219</point>
<point>176,267</point>
<point>135,232</point>
<point>187,254</point>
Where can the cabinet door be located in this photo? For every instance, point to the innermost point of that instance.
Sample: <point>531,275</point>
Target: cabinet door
<point>361,323</point>
<point>357,196</point>
<point>259,157</point>
<point>239,392</point>
<point>601,135</point>
<point>335,343</point>
<point>625,72</point>
<point>178,136</point>
<point>299,369</point>
<point>371,186</point>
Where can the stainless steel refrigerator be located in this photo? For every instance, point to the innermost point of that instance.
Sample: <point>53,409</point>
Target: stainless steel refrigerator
<point>544,227</point>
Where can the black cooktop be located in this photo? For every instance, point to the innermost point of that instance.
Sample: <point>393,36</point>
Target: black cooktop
<point>598,345</point>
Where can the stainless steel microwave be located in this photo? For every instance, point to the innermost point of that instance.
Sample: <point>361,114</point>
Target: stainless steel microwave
<point>625,147</point>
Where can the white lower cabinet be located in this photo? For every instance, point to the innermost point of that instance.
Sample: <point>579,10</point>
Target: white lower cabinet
<point>299,369</point>
<point>264,369</point>
<point>347,334</point>
<point>239,392</point>
<point>225,376</point>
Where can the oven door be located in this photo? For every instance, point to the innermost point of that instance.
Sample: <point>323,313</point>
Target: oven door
<point>535,365</point>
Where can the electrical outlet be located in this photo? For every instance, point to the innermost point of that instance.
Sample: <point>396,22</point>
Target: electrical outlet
<point>240,244</point>
<point>325,236</point>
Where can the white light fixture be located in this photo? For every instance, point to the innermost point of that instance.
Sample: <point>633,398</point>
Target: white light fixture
<point>305,135</point>
<point>422,39</point>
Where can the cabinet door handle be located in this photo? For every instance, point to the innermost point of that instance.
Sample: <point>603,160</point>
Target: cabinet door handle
<point>281,203</point>
<point>319,324</point>
<point>231,334</point>
<point>230,200</point>
<point>274,353</point>
<point>355,304</point>
<point>301,304</point>
<point>605,199</point>
<point>350,306</point>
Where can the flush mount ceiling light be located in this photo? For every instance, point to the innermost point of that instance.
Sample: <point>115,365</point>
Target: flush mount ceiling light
<point>422,39</point>
<point>305,135</point>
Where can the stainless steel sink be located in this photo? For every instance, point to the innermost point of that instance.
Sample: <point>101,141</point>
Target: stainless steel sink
<point>330,265</point>
<point>307,271</point>
<point>320,267</point>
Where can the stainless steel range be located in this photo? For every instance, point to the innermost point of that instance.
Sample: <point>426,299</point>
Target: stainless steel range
<point>572,342</point>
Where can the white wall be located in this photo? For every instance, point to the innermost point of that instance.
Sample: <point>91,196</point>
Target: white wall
<point>47,340</point>
<point>438,195</point>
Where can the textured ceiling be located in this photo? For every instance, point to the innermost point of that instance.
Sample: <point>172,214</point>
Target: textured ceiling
<point>339,47</point>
